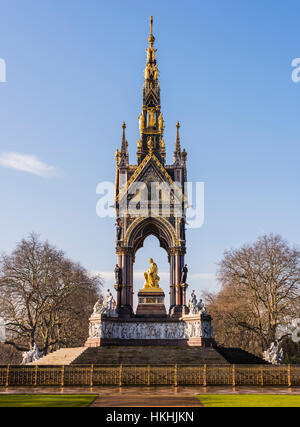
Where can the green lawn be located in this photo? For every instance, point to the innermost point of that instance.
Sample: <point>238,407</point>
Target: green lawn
<point>47,401</point>
<point>250,400</point>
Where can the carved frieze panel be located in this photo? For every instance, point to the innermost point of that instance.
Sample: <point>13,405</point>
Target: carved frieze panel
<point>105,328</point>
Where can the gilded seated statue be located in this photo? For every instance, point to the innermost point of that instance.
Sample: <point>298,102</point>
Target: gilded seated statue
<point>151,276</point>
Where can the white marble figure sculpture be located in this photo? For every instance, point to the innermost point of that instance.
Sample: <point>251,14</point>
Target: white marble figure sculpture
<point>32,355</point>
<point>273,354</point>
<point>201,307</point>
<point>97,307</point>
<point>2,330</point>
<point>194,306</point>
<point>107,307</point>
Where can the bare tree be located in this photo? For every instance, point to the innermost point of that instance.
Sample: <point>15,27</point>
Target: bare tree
<point>260,292</point>
<point>44,297</point>
<point>9,355</point>
<point>228,312</point>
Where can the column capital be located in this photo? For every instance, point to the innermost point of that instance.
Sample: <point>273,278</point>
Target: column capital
<point>123,250</point>
<point>178,250</point>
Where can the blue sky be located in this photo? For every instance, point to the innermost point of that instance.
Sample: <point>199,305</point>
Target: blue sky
<point>75,72</point>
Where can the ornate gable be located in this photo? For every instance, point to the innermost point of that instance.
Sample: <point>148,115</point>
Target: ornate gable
<point>151,170</point>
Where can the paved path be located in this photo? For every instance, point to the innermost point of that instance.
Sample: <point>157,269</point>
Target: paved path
<point>142,401</point>
<point>148,396</point>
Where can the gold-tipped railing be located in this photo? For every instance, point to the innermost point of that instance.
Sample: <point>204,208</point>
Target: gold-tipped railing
<point>175,375</point>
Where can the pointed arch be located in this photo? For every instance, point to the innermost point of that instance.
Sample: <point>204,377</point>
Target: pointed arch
<point>141,228</point>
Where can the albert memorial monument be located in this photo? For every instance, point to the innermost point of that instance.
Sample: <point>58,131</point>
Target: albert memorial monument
<point>150,199</point>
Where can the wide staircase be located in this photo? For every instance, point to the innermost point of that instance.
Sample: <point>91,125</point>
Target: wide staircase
<point>64,356</point>
<point>149,355</point>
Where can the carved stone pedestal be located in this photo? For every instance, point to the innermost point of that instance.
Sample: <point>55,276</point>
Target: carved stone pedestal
<point>199,330</point>
<point>151,303</point>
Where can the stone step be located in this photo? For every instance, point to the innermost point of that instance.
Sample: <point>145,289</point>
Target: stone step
<point>241,357</point>
<point>64,356</point>
<point>152,355</point>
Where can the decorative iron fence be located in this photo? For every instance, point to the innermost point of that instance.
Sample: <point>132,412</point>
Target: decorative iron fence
<point>176,375</point>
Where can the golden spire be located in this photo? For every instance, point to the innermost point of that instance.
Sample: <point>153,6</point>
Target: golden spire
<point>151,71</point>
<point>151,122</point>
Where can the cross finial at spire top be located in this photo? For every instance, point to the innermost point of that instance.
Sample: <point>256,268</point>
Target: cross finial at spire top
<point>151,38</point>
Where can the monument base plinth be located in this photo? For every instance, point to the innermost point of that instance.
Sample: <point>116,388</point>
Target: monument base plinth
<point>151,303</point>
<point>192,330</point>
